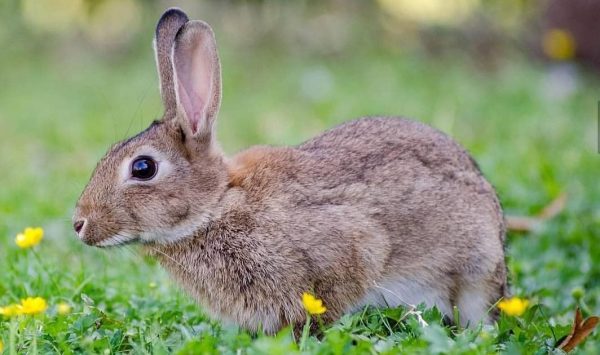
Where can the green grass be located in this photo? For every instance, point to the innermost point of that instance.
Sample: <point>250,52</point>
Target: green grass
<point>58,115</point>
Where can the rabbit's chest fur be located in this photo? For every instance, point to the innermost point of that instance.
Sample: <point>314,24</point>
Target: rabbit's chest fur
<point>253,275</point>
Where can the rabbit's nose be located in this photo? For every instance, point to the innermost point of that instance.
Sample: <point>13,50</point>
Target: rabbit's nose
<point>78,225</point>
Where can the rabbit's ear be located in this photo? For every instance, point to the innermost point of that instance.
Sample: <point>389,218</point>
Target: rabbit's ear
<point>166,30</point>
<point>197,77</point>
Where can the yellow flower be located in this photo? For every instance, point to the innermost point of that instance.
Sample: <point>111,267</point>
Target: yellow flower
<point>513,306</point>
<point>11,310</point>
<point>33,305</point>
<point>30,237</point>
<point>559,44</point>
<point>1,346</point>
<point>63,308</point>
<point>312,304</point>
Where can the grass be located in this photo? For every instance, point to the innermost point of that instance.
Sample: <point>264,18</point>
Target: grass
<point>59,114</point>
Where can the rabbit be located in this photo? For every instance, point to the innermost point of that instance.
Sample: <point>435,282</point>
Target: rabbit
<point>379,211</point>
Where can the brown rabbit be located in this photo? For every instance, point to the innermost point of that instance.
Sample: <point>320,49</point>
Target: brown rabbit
<point>378,211</point>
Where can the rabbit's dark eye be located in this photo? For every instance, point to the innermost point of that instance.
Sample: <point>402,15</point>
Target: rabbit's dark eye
<point>143,168</point>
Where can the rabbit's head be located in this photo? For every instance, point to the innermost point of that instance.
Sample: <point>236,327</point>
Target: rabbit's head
<point>165,182</point>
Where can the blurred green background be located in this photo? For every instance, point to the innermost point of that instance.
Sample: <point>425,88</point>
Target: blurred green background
<point>515,82</point>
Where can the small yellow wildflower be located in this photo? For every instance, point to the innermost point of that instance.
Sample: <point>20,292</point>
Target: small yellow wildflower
<point>11,310</point>
<point>152,285</point>
<point>312,304</point>
<point>513,306</point>
<point>1,346</point>
<point>63,308</point>
<point>30,237</point>
<point>559,44</point>
<point>33,305</point>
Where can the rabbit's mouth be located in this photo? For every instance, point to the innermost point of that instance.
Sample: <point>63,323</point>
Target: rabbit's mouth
<point>117,240</point>
<point>101,236</point>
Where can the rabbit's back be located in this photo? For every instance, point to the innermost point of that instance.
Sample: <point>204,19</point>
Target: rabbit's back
<point>387,144</point>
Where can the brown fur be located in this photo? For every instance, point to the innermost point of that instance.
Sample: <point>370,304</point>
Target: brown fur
<point>248,163</point>
<point>376,201</point>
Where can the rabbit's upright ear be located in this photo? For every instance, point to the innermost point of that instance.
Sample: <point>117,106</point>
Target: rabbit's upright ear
<point>166,30</point>
<point>197,78</point>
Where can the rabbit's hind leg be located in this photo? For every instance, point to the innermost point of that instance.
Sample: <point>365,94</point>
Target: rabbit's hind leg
<point>473,304</point>
<point>476,298</point>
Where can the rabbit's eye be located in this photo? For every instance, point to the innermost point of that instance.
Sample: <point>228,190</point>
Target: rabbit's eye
<point>143,168</point>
